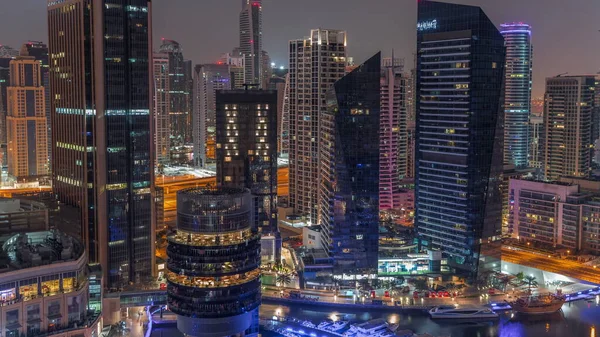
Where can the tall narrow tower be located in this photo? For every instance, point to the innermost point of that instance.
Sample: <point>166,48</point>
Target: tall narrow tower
<point>251,40</point>
<point>517,92</point>
<point>316,63</point>
<point>100,82</point>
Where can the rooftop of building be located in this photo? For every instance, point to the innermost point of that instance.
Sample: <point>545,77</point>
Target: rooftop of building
<point>35,249</point>
<point>14,205</point>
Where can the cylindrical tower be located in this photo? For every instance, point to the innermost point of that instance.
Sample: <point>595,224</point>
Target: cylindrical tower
<point>213,263</point>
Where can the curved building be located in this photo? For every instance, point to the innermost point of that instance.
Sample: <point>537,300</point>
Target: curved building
<point>44,287</point>
<point>517,92</point>
<point>213,264</point>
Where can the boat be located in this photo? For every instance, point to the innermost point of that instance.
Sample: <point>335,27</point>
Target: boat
<point>374,328</point>
<point>308,324</point>
<point>337,326</point>
<point>539,304</point>
<point>323,325</point>
<point>453,312</point>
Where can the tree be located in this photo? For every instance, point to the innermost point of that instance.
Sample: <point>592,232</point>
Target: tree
<point>504,282</point>
<point>520,277</point>
<point>421,284</point>
<point>399,279</point>
<point>284,279</point>
<point>531,282</point>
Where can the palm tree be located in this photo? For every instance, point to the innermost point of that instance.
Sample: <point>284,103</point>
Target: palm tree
<point>505,281</point>
<point>284,279</point>
<point>520,277</point>
<point>420,284</point>
<point>399,279</point>
<point>531,282</point>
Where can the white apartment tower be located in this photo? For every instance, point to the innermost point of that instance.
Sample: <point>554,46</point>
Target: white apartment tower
<point>316,63</point>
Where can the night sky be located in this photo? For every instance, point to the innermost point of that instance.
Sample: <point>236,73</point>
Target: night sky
<point>565,32</point>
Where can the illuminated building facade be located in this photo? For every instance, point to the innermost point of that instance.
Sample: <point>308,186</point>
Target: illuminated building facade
<point>162,106</point>
<point>315,64</point>
<point>100,82</point>
<point>569,101</point>
<point>460,71</point>
<point>247,155</point>
<point>213,264</point>
<point>27,131</point>
<point>251,41</point>
<point>349,164</point>
<point>393,137</point>
<point>208,78</point>
<point>45,288</point>
<point>517,92</point>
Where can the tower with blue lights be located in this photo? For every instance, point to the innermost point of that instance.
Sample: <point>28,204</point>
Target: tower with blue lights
<point>517,92</point>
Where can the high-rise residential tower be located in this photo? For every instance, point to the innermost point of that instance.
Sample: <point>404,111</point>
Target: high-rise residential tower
<point>569,101</point>
<point>180,73</point>
<point>460,71</point>
<point>162,106</point>
<point>349,165</point>
<point>39,51</point>
<point>101,82</point>
<point>4,82</point>
<point>393,137</point>
<point>27,131</point>
<point>247,156</point>
<point>316,63</point>
<point>251,40</point>
<point>208,78</point>
<point>517,92</point>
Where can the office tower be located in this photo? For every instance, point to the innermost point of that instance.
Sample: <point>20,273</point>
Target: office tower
<point>8,52</point>
<point>517,92</point>
<point>208,78</point>
<point>266,70</point>
<point>213,276</point>
<point>39,51</point>
<point>596,123</point>
<point>27,131</point>
<point>460,71</point>
<point>316,63</point>
<point>536,148</point>
<point>349,164</point>
<point>162,106</point>
<point>100,82</point>
<point>393,137</point>
<point>569,101</point>
<point>247,155</point>
<point>4,82</point>
<point>251,40</point>
<point>179,92</point>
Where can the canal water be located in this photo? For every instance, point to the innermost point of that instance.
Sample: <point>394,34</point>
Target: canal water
<point>579,319</point>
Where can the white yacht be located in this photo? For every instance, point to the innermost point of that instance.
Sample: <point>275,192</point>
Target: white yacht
<point>452,312</point>
<point>374,328</point>
<point>337,326</point>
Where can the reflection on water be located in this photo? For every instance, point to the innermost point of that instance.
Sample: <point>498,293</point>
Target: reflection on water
<point>579,319</point>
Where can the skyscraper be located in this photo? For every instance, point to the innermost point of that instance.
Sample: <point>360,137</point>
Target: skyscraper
<point>460,71</point>
<point>393,136</point>
<point>517,92</point>
<point>100,82</point>
<point>39,51</point>
<point>349,165</point>
<point>180,73</point>
<point>162,106</point>
<point>4,82</point>
<point>213,271</point>
<point>316,63</point>
<point>569,101</point>
<point>208,78</point>
<point>247,155</point>
<point>251,40</point>
<point>27,132</point>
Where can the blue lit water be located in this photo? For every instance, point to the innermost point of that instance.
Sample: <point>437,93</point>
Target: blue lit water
<point>579,319</point>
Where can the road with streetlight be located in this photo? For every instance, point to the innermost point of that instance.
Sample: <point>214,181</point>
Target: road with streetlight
<point>552,264</point>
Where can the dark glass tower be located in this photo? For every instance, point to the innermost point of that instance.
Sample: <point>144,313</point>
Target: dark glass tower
<point>460,70</point>
<point>100,57</point>
<point>349,166</point>
<point>180,74</point>
<point>247,154</point>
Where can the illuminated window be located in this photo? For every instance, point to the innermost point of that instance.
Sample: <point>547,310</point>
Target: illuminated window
<point>494,65</point>
<point>228,178</point>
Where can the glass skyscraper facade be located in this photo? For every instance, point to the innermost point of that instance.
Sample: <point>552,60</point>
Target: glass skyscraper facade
<point>460,72</point>
<point>349,169</point>
<point>100,106</point>
<point>517,92</point>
